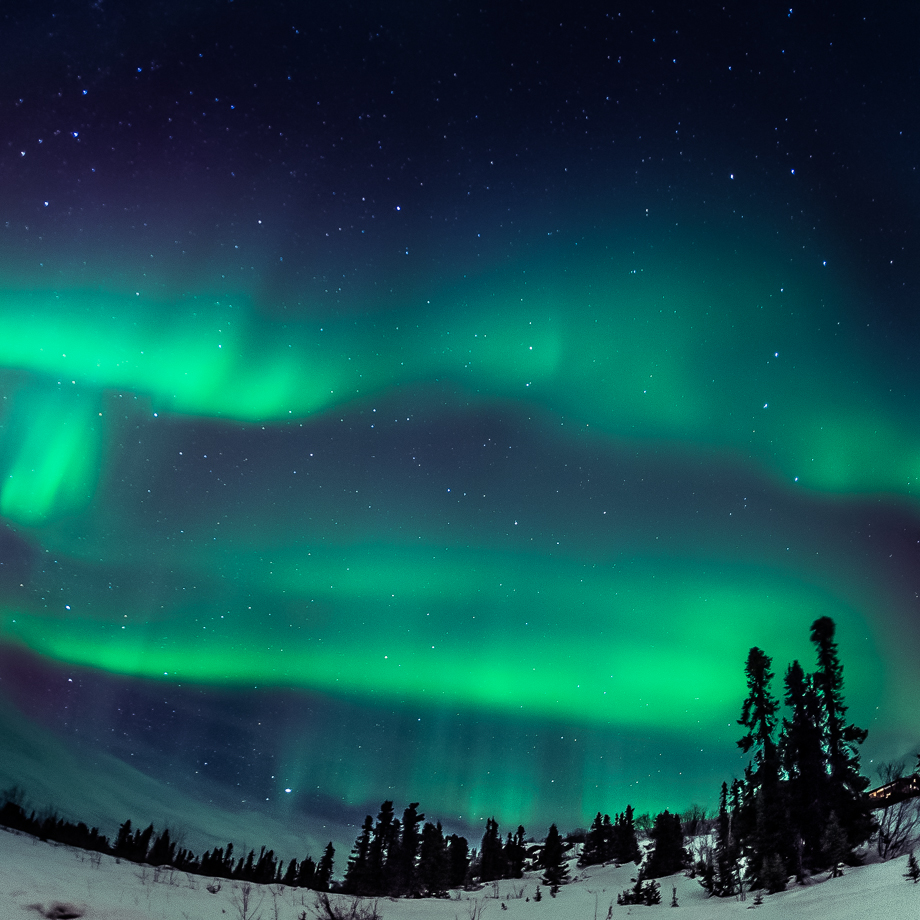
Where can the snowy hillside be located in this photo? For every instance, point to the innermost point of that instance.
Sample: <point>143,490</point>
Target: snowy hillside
<point>47,880</point>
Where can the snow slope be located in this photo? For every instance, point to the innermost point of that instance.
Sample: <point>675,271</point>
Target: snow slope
<point>36,877</point>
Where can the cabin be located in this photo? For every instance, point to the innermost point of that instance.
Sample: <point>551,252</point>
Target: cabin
<point>904,787</point>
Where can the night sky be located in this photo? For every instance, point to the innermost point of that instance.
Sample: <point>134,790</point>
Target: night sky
<point>434,403</point>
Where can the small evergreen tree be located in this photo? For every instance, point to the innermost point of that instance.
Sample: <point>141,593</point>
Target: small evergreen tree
<point>643,892</point>
<point>835,845</point>
<point>668,855</point>
<point>913,870</point>
<point>726,855</point>
<point>555,870</point>
<point>515,854</point>
<point>593,851</point>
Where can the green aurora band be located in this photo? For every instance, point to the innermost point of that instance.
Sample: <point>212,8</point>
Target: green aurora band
<point>632,353</point>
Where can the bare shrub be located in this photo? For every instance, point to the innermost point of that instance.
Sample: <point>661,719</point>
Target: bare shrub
<point>899,823</point>
<point>324,908</point>
<point>474,908</point>
<point>244,901</point>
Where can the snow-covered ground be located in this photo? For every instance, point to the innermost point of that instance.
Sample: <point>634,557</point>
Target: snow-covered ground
<point>50,880</point>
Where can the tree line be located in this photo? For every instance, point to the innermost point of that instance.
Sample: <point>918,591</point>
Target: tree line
<point>147,847</point>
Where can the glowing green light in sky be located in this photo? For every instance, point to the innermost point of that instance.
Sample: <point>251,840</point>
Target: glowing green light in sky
<point>632,355</point>
<point>499,635</point>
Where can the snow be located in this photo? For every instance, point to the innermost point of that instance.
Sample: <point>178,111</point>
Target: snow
<point>36,878</point>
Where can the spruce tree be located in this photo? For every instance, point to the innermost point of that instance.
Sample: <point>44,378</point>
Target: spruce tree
<point>403,880</point>
<point>515,854</point>
<point>624,844</point>
<point>490,853</point>
<point>758,715</point>
<point>725,868</point>
<point>163,850</point>
<point>226,862</point>
<point>609,838</point>
<point>592,852</point>
<point>123,841</point>
<point>802,759</point>
<point>668,855</point>
<point>141,843</point>
<point>432,865</point>
<point>913,870</point>
<point>290,877</point>
<point>458,860</point>
<point>306,874</point>
<point>835,845</point>
<point>383,842</point>
<point>845,783</point>
<point>356,875</point>
<point>324,869</point>
<point>552,859</point>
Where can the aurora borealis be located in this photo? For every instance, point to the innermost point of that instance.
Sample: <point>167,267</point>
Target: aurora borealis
<point>436,404</point>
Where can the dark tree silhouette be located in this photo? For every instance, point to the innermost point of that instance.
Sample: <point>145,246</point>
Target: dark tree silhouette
<point>491,863</point>
<point>356,875</point>
<point>845,783</point>
<point>458,860</point>
<point>324,869</point>
<point>433,871</point>
<point>802,759</point>
<point>668,855</point>
<point>552,860</point>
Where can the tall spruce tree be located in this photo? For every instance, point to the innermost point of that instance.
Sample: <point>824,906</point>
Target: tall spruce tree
<point>403,879</point>
<point>846,785</point>
<point>324,869</point>
<point>381,853</point>
<point>802,759</point>
<point>356,875</point>
<point>759,717</point>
